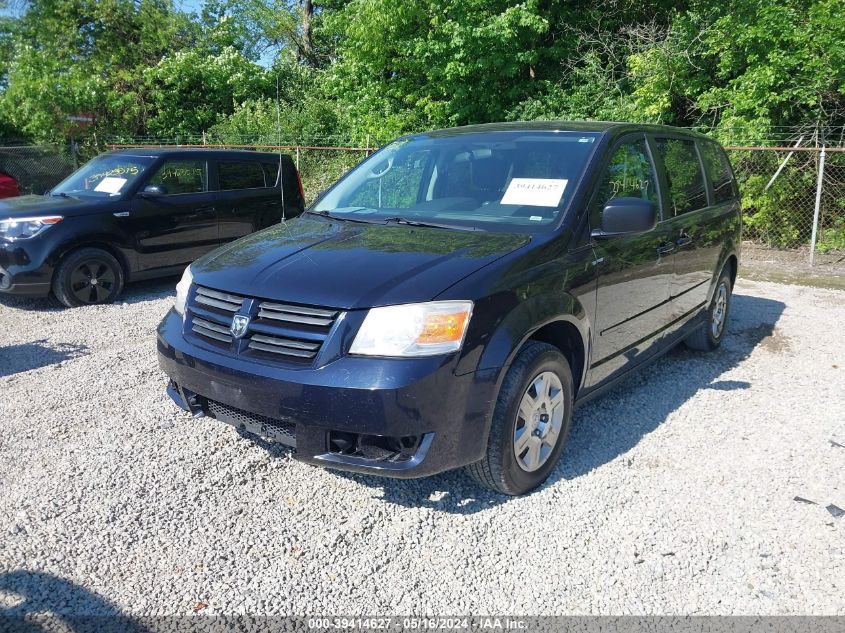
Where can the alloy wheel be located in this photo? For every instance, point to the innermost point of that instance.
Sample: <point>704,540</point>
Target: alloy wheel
<point>720,311</point>
<point>92,281</point>
<point>539,421</point>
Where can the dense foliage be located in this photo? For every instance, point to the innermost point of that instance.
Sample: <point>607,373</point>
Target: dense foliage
<point>349,68</point>
<point>348,71</point>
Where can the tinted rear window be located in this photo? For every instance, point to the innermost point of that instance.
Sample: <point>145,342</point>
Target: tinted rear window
<point>718,172</point>
<point>683,174</point>
<point>240,175</point>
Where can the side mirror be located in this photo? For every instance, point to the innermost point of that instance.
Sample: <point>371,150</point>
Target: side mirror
<point>154,190</point>
<point>626,216</point>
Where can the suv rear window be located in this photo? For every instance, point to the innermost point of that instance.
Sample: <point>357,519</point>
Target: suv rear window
<point>240,175</point>
<point>683,175</point>
<point>718,172</point>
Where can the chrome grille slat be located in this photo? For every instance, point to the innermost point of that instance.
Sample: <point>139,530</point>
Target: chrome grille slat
<point>217,299</point>
<point>212,334</point>
<point>223,296</point>
<point>283,307</point>
<point>285,342</point>
<point>209,325</point>
<point>217,303</point>
<point>293,318</point>
<point>288,330</point>
<point>283,351</point>
<point>211,316</point>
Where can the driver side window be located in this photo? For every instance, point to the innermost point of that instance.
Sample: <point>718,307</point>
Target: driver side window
<point>630,174</point>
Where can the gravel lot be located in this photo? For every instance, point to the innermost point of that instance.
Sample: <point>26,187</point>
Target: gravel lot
<point>675,495</point>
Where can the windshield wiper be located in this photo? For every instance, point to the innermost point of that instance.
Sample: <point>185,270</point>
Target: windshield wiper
<point>434,225</point>
<point>59,194</point>
<point>328,214</point>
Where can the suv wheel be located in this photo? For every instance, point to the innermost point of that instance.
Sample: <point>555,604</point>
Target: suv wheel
<point>709,337</point>
<point>532,417</point>
<point>88,276</point>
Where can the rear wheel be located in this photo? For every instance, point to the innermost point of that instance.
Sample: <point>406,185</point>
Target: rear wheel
<point>709,337</point>
<point>88,276</point>
<point>532,417</point>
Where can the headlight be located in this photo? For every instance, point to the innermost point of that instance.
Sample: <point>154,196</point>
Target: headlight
<point>23,228</point>
<point>414,329</point>
<point>182,291</point>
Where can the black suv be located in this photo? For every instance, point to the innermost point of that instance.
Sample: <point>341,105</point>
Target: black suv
<point>451,299</point>
<point>136,214</point>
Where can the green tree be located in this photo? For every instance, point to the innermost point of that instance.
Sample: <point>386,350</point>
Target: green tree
<point>188,91</point>
<point>86,56</point>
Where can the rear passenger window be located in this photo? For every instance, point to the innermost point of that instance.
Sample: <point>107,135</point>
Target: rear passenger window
<point>683,174</point>
<point>181,176</point>
<point>240,175</point>
<point>718,172</point>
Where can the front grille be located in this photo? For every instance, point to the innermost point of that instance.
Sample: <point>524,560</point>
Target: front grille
<point>278,332</point>
<point>280,431</point>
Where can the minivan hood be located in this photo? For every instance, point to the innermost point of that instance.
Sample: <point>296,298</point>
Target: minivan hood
<point>25,206</point>
<point>323,262</point>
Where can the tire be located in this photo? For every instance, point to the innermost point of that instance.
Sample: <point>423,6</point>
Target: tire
<point>86,277</point>
<point>502,469</point>
<point>708,337</point>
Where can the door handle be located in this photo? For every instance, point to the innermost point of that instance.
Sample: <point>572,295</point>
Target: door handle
<point>204,210</point>
<point>684,240</point>
<point>665,248</point>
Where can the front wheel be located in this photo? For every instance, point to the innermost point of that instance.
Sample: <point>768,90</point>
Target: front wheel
<point>709,337</point>
<point>88,276</point>
<point>530,423</point>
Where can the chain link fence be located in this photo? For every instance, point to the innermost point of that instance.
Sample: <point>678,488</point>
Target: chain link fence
<point>37,168</point>
<point>783,199</point>
<point>779,185</point>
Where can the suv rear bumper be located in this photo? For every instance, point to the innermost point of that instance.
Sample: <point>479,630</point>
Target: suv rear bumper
<point>439,420</point>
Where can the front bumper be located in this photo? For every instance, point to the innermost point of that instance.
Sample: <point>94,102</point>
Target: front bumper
<point>24,270</point>
<point>444,418</point>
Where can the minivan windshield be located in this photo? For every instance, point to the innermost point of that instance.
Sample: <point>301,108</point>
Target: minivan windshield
<point>489,181</point>
<point>104,176</point>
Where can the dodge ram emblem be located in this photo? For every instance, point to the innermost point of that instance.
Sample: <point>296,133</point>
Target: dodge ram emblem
<point>240,323</point>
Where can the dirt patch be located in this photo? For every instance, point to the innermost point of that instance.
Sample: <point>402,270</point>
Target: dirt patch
<point>769,338</point>
<point>760,263</point>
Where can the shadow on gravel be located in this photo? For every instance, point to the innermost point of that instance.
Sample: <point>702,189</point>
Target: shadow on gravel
<point>150,290</point>
<point>133,293</point>
<point>612,425</point>
<point>15,359</point>
<point>32,602</point>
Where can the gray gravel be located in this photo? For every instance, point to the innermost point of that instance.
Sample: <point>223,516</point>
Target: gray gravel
<point>676,492</point>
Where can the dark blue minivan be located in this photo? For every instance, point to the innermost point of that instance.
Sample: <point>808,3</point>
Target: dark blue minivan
<point>451,299</point>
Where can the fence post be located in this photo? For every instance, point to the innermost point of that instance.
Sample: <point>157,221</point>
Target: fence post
<point>297,158</point>
<point>782,165</point>
<point>817,209</point>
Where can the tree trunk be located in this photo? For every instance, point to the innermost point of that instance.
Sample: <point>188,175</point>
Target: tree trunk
<point>307,12</point>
